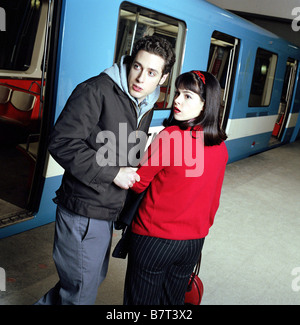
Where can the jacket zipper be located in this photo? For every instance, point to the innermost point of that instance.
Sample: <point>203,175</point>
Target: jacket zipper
<point>136,115</point>
<point>144,117</point>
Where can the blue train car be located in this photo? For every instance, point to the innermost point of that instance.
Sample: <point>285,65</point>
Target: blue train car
<point>49,46</point>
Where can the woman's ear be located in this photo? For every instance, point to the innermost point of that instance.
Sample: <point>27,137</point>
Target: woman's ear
<point>203,106</point>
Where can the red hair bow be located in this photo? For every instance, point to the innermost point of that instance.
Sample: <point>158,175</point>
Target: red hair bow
<point>200,75</point>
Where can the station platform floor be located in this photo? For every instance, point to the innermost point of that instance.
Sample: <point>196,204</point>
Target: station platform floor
<point>250,257</point>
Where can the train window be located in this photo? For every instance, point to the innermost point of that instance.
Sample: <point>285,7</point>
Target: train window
<point>136,22</point>
<point>22,19</point>
<point>263,78</point>
<point>222,60</point>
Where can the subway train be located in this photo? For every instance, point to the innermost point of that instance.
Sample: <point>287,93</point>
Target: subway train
<point>50,46</point>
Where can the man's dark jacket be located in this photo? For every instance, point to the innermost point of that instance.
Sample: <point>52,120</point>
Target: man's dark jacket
<point>96,105</point>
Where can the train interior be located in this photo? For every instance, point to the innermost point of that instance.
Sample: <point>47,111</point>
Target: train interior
<point>22,71</point>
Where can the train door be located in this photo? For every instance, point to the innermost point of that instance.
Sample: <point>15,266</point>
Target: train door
<point>136,22</point>
<point>222,60</point>
<point>23,63</point>
<point>285,101</point>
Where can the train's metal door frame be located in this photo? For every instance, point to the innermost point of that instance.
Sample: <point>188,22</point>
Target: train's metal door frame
<point>286,98</point>
<point>222,64</point>
<point>41,69</point>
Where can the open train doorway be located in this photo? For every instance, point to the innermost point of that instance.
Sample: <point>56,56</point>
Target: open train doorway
<point>285,101</point>
<point>23,63</point>
<point>223,55</point>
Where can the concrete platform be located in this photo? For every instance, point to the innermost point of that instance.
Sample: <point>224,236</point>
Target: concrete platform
<point>248,256</point>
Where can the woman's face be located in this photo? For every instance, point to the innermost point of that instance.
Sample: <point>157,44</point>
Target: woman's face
<point>187,105</point>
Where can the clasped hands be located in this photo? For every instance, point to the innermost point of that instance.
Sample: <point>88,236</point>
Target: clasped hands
<point>126,177</point>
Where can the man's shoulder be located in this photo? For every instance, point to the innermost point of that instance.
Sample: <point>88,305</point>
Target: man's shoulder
<point>100,84</point>
<point>98,80</point>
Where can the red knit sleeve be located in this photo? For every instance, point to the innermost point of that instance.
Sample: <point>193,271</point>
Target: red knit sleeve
<point>156,157</point>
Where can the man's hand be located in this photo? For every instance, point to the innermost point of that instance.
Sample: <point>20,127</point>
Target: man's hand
<point>126,177</point>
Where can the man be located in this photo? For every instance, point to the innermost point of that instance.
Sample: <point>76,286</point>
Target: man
<point>93,188</point>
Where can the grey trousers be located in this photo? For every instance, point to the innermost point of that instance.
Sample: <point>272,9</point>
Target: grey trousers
<point>81,255</point>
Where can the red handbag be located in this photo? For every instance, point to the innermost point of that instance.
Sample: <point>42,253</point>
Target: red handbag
<point>194,293</point>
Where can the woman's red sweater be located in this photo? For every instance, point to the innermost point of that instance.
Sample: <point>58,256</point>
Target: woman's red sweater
<point>185,179</point>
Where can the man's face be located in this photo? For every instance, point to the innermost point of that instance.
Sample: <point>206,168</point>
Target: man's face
<point>145,74</point>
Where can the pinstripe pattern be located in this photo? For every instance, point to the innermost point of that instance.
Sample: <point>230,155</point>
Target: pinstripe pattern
<point>159,269</point>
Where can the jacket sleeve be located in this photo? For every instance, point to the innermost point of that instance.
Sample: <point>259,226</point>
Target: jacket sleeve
<point>68,144</point>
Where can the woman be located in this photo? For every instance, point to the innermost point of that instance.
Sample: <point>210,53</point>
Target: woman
<point>179,207</point>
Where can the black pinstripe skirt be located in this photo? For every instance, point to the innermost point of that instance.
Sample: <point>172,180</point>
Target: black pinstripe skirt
<point>158,270</point>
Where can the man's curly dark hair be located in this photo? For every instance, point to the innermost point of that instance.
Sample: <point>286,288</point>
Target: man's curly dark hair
<point>159,46</point>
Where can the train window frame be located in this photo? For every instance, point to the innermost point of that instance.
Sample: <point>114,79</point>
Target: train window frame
<point>140,21</point>
<point>260,69</point>
<point>225,71</point>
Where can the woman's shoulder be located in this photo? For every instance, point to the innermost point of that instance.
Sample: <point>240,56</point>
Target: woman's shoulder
<point>219,150</point>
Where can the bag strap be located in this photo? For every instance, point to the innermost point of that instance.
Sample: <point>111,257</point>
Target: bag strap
<point>196,272</point>
<point>197,267</point>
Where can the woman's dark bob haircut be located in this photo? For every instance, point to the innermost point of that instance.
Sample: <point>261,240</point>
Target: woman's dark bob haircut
<point>209,119</point>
